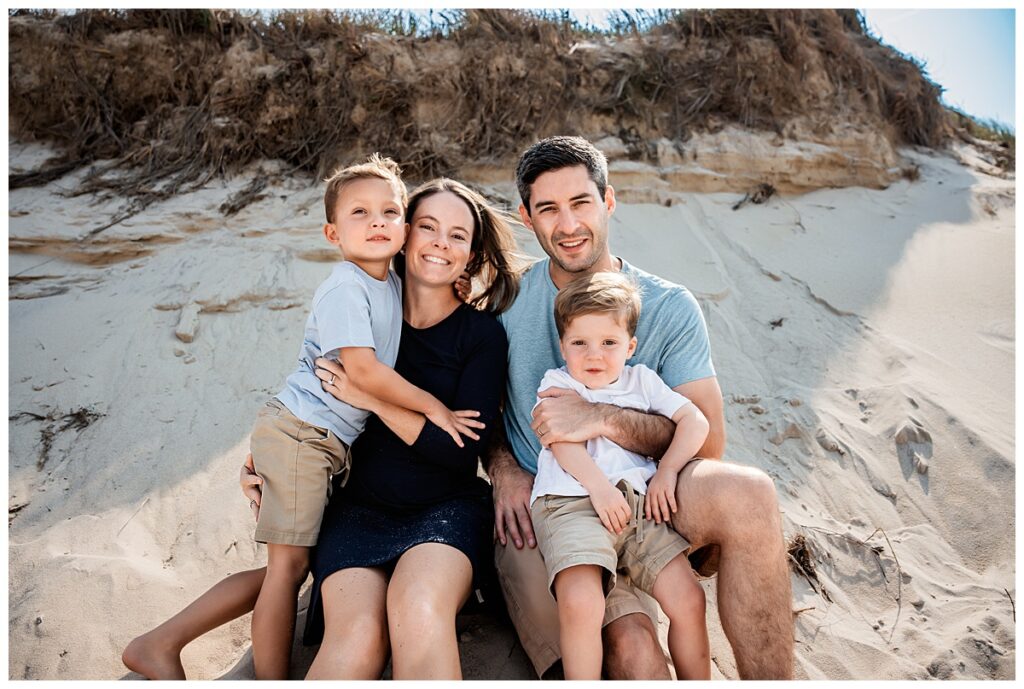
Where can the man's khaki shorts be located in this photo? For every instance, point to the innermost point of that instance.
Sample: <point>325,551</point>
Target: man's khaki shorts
<point>524,583</point>
<point>569,533</point>
<point>296,461</point>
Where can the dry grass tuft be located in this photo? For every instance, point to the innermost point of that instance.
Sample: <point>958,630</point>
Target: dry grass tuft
<point>168,99</point>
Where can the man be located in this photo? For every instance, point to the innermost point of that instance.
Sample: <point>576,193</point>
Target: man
<point>728,513</point>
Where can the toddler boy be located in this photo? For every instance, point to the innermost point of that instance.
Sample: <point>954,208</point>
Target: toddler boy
<point>590,500</point>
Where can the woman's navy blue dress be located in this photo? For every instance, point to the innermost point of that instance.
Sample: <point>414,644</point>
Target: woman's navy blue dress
<point>399,496</point>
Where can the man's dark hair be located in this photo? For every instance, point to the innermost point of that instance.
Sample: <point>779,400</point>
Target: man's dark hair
<point>555,153</point>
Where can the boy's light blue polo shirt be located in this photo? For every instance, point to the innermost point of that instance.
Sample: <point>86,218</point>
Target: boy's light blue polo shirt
<point>350,309</point>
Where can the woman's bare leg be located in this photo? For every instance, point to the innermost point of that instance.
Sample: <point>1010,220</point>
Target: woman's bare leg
<point>355,644</point>
<point>430,583</point>
<point>157,653</point>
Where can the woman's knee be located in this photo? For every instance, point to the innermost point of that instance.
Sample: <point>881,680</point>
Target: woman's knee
<point>361,636</point>
<point>411,612</point>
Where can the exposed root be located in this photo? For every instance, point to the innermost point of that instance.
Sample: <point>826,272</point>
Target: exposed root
<point>55,424</point>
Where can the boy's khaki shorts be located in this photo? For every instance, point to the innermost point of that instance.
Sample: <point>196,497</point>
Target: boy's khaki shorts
<point>569,533</point>
<point>525,584</point>
<point>296,461</point>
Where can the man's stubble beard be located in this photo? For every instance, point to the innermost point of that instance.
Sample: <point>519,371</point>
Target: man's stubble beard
<point>586,266</point>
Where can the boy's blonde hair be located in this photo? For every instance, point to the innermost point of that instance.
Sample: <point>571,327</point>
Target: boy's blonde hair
<point>376,167</point>
<point>603,292</point>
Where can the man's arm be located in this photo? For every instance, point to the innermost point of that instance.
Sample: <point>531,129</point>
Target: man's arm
<point>512,486</point>
<point>564,416</point>
<point>707,395</point>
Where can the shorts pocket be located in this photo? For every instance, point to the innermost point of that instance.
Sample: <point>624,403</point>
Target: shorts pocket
<point>271,408</point>
<point>311,434</point>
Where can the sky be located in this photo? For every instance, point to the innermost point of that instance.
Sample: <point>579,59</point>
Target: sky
<point>970,53</point>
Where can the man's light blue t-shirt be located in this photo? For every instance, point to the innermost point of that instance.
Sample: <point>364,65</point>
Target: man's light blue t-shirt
<point>350,309</point>
<point>672,340</point>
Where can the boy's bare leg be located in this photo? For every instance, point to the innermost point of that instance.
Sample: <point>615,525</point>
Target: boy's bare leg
<point>679,594</point>
<point>735,508</point>
<point>273,619</point>
<point>157,653</point>
<point>430,583</point>
<point>355,644</point>
<point>580,597</point>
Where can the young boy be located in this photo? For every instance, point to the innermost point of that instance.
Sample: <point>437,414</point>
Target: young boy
<point>302,437</point>
<point>588,503</point>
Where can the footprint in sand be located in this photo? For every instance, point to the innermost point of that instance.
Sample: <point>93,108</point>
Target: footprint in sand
<point>913,447</point>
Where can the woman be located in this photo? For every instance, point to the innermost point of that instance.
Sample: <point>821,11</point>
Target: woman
<point>401,543</point>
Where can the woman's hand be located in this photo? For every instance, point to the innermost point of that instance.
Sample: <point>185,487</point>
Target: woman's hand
<point>334,381</point>
<point>250,483</point>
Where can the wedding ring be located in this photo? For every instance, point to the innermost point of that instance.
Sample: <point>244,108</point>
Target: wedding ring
<point>331,381</point>
<point>251,503</point>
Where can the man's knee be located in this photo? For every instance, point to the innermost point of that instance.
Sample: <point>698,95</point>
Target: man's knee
<point>761,503</point>
<point>732,501</point>
<point>632,650</point>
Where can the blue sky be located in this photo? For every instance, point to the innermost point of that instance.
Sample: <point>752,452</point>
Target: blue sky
<point>970,53</point>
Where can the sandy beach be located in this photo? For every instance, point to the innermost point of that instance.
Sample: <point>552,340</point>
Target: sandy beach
<point>863,338</point>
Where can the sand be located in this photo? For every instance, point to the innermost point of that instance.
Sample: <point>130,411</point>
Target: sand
<point>864,341</point>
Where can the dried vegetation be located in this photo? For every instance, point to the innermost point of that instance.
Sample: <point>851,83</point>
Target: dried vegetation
<point>160,101</point>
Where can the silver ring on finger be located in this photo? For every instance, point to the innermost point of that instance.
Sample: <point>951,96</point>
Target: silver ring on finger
<point>251,503</point>
<point>331,381</point>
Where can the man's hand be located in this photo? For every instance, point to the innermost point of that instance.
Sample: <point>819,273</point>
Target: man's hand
<point>250,483</point>
<point>564,417</point>
<point>611,506</point>
<point>463,287</point>
<point>512,487</point>
<point>661,495</point>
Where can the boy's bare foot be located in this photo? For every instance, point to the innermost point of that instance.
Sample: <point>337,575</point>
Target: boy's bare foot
<point>152,658</point>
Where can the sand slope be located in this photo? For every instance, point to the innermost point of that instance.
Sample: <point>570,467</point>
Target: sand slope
<point>864,341</point>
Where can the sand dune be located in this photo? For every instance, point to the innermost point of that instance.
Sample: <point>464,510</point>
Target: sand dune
<point>864,341</point>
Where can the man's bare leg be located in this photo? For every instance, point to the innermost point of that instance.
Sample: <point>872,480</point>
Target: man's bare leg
<point>735,508</point>
<point>157,653</point>
<point>632,650</point>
